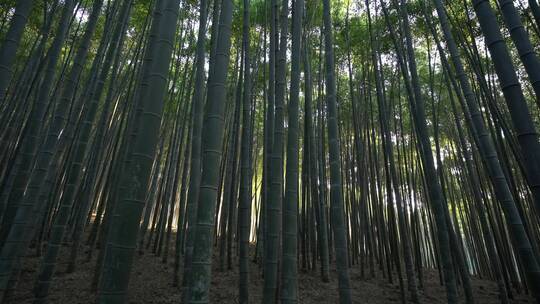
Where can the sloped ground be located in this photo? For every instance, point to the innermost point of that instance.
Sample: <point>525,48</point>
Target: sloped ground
<point>151,282</point>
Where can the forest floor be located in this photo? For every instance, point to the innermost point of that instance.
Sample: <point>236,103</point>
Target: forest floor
<point>151,282</point>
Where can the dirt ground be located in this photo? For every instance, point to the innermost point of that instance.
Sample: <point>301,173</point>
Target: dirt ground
<point>151,282</point>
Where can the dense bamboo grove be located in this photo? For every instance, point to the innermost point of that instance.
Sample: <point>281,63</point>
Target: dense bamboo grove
<point>348,140</point>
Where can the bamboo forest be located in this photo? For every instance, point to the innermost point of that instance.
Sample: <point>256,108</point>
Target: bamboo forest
<point>269,151</point>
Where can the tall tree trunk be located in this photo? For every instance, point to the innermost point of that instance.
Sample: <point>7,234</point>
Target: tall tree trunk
<point>199,282</point>
<point>16,223</point>
<point>336,198</point>
<point>244,215</point>
<point>311,147</point>
<point>289,271</point>
<point>275,198</point>
<point>195,161</point>
<point>389,153</point>
<point>122,238</point>
<point>489,154</point>
<point>433,186</point>
<point>9,47</point>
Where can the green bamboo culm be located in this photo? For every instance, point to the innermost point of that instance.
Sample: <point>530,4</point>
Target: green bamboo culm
<point>93,94</point>
<point>124,13</point>
<point>195,156</point>
<point>19,208</point>
<point>122,238</point>
<point>535,9</point>
<point>244,213</point>
<point>434,186</point>
<point>269,127</point>
<point>74,171</point>
<point>428,179</point>
<point>274,203</point>
<point>311,148</point>
<point>523,44</point>
<point>199,282</point>
<point>289,273</point>
<point>25,178</point>
<point>434,189</point>
<point>530,61</point>
<point>391,164</point>
<point>523,124</point>
<point>336,198</point>
<point>11,42</point>
<point>485,146</point>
